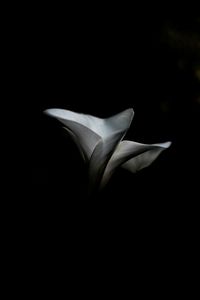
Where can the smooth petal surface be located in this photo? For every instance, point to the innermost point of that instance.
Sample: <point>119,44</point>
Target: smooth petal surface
<point>132,156</point>
<point>79,126</point>
<point>105,147</point>
<point>102,127</point>
<point>89,130</point>
<point>145,158</point>
<point>101,146</point>
<point>78,143</point>
<point>100,158</point>
<point>85,139</point>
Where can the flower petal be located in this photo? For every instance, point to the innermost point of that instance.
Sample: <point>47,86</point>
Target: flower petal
<point>100,158</point>
<point>102,127</point>
<point>85,139</point>
<point>88,130</point>
<point>132,156</point>
<point>106,147</point>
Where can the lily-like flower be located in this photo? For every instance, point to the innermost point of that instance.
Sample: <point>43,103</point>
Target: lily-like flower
<point>101,145</point>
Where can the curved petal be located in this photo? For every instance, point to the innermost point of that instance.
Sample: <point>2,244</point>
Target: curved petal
<point>119,122</point>
<point>132,156</point>
<point>102,127</point>
<point>76,141</point>
<point>106,147</point>
<point>100,158</point>
<point>84,138</point>
<point>99,141</point>
<point>88,130</point>
<point>80,127</point>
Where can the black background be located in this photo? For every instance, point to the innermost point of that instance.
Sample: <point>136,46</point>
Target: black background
<point>100,63</point>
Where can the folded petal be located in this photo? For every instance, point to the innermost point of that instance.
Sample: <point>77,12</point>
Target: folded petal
<point>87,130</point>
<point>100,157</point>
<point>106,147</point>
<point>132,156</point>
<point>80,128</point>
<point>85,139</point>
<point>99,141</point>
<point>79,145</point>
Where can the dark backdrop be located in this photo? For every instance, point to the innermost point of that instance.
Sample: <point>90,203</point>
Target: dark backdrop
<point>101,63</point>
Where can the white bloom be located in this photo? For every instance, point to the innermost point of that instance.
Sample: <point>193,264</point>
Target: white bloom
<point>100,143</point>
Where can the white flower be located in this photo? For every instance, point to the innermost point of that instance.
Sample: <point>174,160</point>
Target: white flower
<point>100,143</point>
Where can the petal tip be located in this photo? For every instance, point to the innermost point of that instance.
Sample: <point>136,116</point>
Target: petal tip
<point>130,110</point>
<point>53,112</point>
<point>48,112</point>
<point>167,144</point>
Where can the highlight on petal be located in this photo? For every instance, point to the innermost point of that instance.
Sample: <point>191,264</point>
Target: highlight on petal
<point>146,158</point>
<point>79,126</point>
<point>88,130</point>
<point>101,146</point>
<point>117,126</point>
<point>85,139</point>
<point>102,127</point>
<point>133,157</point>
<point>100,157</point>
